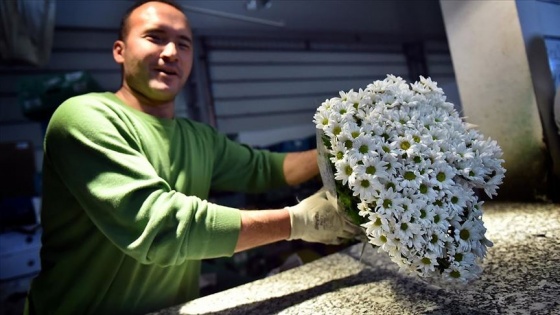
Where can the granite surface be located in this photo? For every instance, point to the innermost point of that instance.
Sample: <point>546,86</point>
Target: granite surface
<point>521,276</point>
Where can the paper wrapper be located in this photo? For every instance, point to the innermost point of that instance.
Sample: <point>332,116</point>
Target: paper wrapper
<point>327,175</point>
<point>329,184</point>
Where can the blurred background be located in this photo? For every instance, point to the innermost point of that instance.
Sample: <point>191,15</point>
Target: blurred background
<point>261,69</point>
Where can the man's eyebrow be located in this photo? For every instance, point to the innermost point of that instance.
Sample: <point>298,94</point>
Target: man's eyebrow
<point>186,38</point>
<point>159,30</point>
<point>154,30</point>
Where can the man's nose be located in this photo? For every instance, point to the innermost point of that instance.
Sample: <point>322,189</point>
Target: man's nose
<point>170,51</point>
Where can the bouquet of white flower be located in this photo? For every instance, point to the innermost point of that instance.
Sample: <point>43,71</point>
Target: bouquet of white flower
<point>403,164</point>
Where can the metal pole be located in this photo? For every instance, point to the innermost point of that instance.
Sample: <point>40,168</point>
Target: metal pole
<point>234,16</point>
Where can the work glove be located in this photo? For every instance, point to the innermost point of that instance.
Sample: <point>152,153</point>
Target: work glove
<point>317,219</point>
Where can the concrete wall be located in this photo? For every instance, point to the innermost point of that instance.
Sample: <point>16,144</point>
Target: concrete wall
<point>496,89</point>
<point>539,21</point>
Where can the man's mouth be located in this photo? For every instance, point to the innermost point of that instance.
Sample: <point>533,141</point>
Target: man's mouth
<point>167,71</point>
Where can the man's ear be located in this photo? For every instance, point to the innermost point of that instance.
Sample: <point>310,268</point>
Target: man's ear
<point>118,50</point>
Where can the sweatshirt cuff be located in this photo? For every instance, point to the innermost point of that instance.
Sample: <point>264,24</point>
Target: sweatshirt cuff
<point>225,228</point>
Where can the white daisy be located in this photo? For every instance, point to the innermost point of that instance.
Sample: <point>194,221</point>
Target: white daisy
<point>337,150</point>
<point>442,175</point>
<point>365,186</point>
<point>373,165</point>
<point>388,202</point>
<point>467,233</point>
<point>412,164</point>
<point>333,128</point>
<point>363,145</point>
<point>376,222</point>
<point>321,119</point>
<point>435,240</point>
<point>364,209</point>
<point>425,265</point>
<point>457,272</point>
<point>352,128</point>
<point>343,170</point>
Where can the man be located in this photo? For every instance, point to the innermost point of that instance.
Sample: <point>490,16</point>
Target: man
<point>125,220</point>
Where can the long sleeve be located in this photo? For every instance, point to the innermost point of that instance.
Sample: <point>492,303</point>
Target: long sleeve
<point>109,165</point>
<point>124,212</point>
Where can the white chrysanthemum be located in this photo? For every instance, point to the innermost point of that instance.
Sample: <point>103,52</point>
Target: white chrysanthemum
<point>364,209</point>
<point>353,129</point>
<point>377,87</point>
<point>467,233</point>
<point>334,127</point>
<point>440,218</point>
<point>480,248</point>
<point>407,145</point>
<point>491,186</point>
<point>425,265</point>
<point>460,152</point>
<point>352,97</point>
<point>345,109</point>
<point>458,197</point>
<point>345,140</point>
<point>442,175</point>
<point>379,238</point>
<point>410,178</point>
<point>393,164</point>
<point>413,164</point>
<point>457,272</point>
<point>391,246</point>
<point>373,165</point>
<point>462,257</point>
<point>321,119</point>
<point>475,208</point>
<point>363,145</point>
<point>418,242</point>
<point>337,151</point>
<point>404,230</point>
<point>427,214</point>
<point>376,222</point>
<point>365,186</point>
<point>388,202</point>
<point>435,240</point>
<point>343,170</point>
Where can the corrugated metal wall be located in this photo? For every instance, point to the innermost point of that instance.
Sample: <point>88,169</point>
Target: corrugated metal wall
<point>267,91</point>
<point>264,91</point>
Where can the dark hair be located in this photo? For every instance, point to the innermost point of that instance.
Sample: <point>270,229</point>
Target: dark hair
<point>123,30</point>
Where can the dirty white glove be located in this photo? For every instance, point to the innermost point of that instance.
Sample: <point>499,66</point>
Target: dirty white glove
<point>316,219</point>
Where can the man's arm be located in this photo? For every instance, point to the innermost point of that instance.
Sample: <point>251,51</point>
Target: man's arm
<point>314,219</point>
<point>268,226</point>
<point>300,166</point>
<point>263,227</point>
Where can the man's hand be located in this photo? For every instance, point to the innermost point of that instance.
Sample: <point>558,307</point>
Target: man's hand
<point>315,219</point>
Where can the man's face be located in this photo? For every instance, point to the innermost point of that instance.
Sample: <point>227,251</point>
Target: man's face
<point>156,54</point>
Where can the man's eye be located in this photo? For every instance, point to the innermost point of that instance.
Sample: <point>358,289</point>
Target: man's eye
<point>184,46</point>
<point>153,38</point>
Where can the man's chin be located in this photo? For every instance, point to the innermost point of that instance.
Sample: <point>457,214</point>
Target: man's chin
<point>164,92</point>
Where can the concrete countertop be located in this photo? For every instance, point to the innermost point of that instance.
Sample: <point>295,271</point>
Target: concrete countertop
<point>521,276</point>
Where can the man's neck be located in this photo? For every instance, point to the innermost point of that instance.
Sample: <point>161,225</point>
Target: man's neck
<point>143,104</point>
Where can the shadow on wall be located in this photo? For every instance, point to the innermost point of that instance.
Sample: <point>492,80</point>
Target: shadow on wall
<point>543,59</point>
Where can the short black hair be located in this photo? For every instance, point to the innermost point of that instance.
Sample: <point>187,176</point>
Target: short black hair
<point>123,29</point>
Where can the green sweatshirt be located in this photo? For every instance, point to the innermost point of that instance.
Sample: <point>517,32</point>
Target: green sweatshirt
<point>124,216</point>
